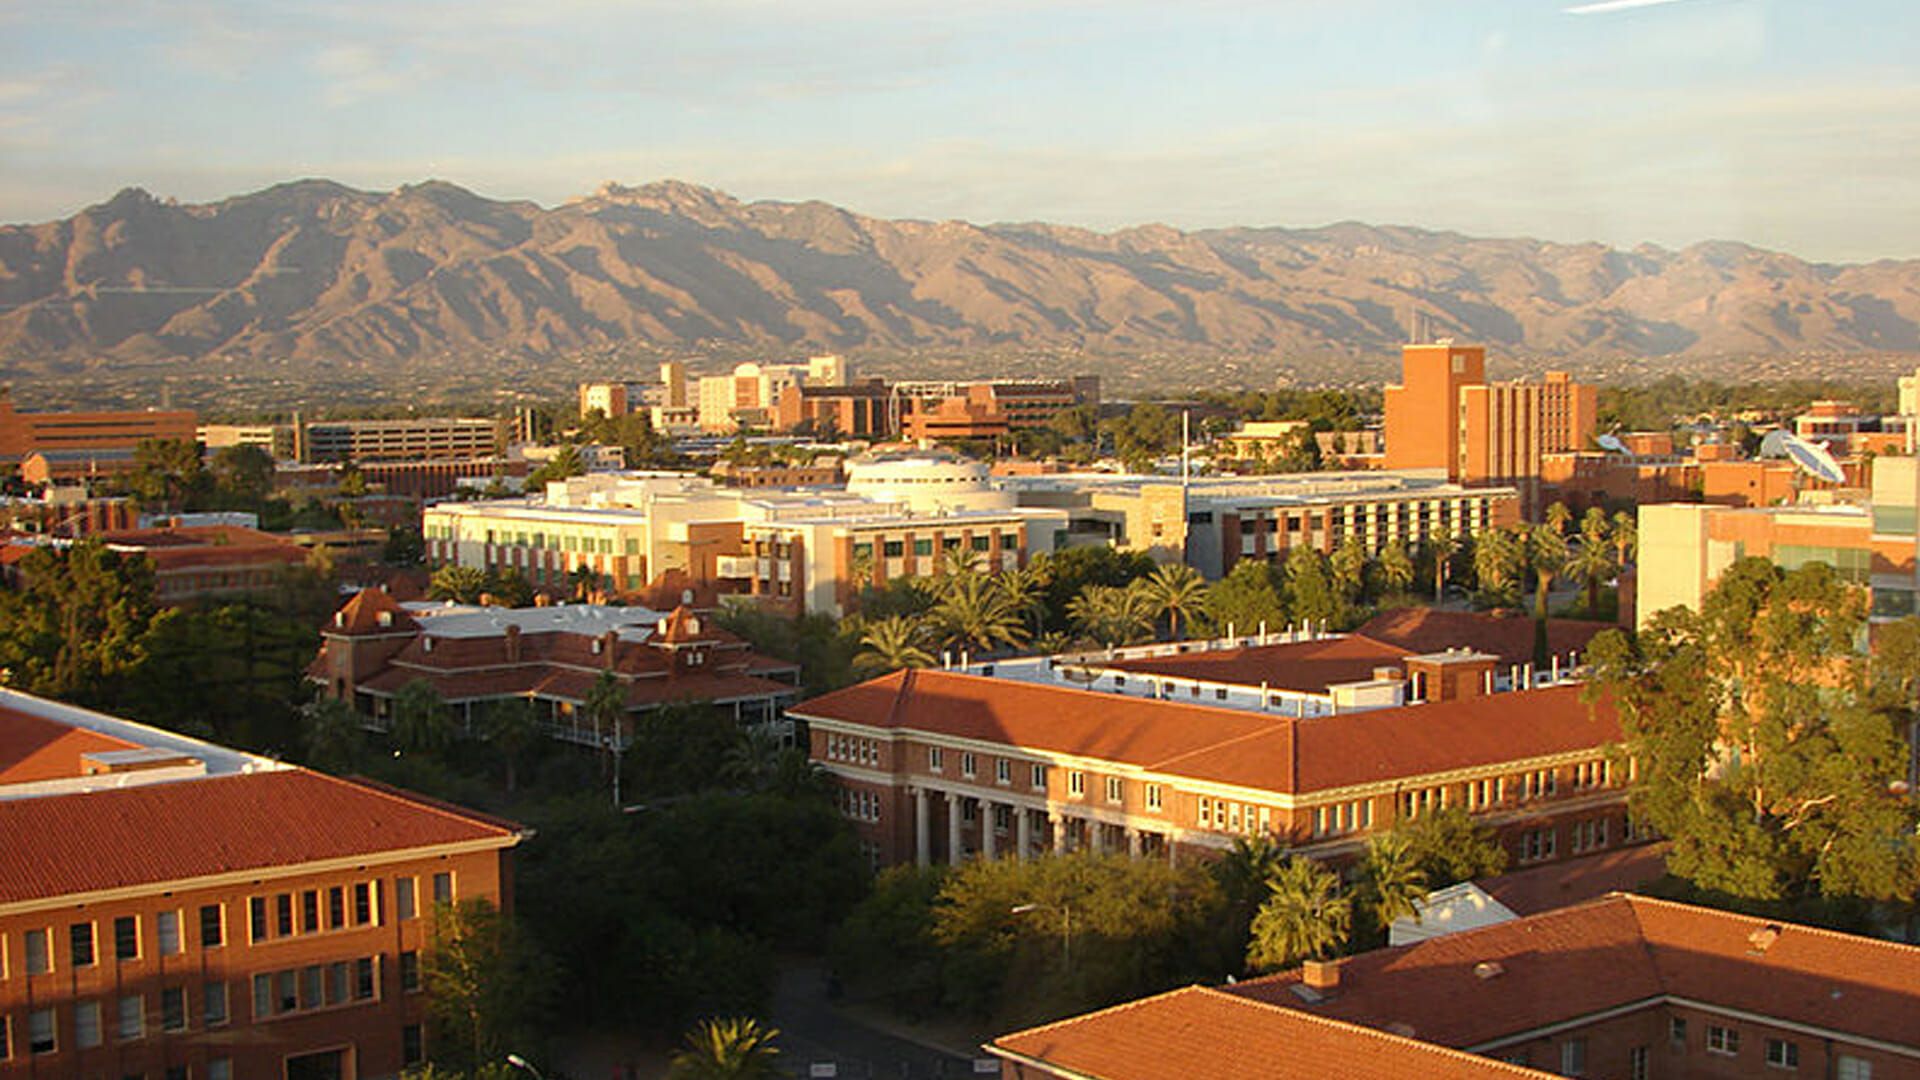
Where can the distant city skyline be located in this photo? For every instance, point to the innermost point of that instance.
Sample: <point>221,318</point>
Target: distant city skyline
<point>1787,126</point>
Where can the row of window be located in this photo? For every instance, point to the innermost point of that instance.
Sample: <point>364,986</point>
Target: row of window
<point>129,1018</point>
<point>860,805</point>
<point>269,918</point>
<point>854,749</point>
<point>1343,818</point>
<point>320,986</point>
<point>1232,816</point>
<point>43,1038</point>
<point>584,545</point>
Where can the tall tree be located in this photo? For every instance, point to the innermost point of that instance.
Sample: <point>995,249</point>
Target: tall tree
<point>1395,567</point>
<point>419,716</point>
<point>1348,564</point>
<point>606,706</point>
<point>1497,557</point>
<point>1546,556</point>
<point>461,584</point>
<point>1311,594</point>
<point>973,615</point>
<point>1625,538</point>
<point>1449,846</point>
<point>486,985</point>
<point>78,628</point>
<point>334,740</point>
<point>1177,591</point>
<point>890,644</point>
<point>1440,546</point>
<point>1304,917</point>
<point>736,1048</point>
<point>1391,881</point>
<point>1025,590</point>
<point>512,729</point>
<point>1246,597</point>
<point>1112,615</point>
<point>1768,747</point>
<point>1592,564</point>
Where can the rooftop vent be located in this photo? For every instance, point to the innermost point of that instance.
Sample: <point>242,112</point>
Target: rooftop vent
<point>1762,939</point>
<point>1488,969</point>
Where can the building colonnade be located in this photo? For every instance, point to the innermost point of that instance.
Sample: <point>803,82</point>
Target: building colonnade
<point>1030,828</point>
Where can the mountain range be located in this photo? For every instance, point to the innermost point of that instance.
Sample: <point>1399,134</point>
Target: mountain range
<point>313,273</point>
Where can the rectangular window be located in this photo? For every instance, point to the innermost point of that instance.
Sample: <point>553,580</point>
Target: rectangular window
<point>80,944</point>
<point>443,886</point>
<point>262,996</point>
<point>173,1009</point>
<point>1722,1040</point>
<point>409,970</point>
<point>310,988</point>
<point>412,1046</point>
<point>969,765</point>
<point>283,915</point>
<point>86,1025</point>
<point>310,911</point>
<point>936,758</point>
<point>40,1038</point>
<point>167,924</point>
<point>403,899</point>
<point>1637,1063</point>
<point>1116,789</point>
<point>1153,796</point>
<point>363,978</point>
<point>213,926</point>
<point>1002,771</point>
<point>257,919</point>
<point>1039,778</point>
<point>39,955</point>
<point>1782,1054</point>
<point>336,907</point>
<point>6,1037</point>
<point>1076,783</point>
<point>215,1003</point>
<point>336,982</point>
<point>1853,1068</point>
<point>362,904</point>
<point>1677,1033</point>
<point>286,991</point>
<point>1573,1057</point>
<point>220,1069</point>
<point>133,1018</point>
<point>126,938</point>
<point>923,547</point>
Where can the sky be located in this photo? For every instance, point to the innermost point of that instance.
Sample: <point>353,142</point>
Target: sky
<point>1788,124</point>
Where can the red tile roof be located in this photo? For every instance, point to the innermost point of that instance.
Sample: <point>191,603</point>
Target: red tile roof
<point>1618,951</point>
<point>35,748</point>
<point>1573,881</point>
<point>163,832</point>
<point>361,615</point>
<point>1230,746</point>
<point>1510,637</point>
<point>1202,1033</point>
<point>1307,666</point>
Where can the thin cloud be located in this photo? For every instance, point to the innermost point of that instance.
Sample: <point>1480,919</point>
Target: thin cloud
<point>1604,6</point>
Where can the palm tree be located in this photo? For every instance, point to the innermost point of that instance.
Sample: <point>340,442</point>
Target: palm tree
<point>1396,568</point>
<point>1024,588</point>
<point>1496,559</point>
<point>461,584</point>
<point>1558,516</point>
<point>1177,590</point>
<point>973,615</point>
<point>1592,562</point>
<point>1305,916</point>
<point>1441,544</point>
<point>1244,871</point>
<point>1349,566</point>
<point>1112,614</point>
<point>737,1048</point>
<point>1394,883</point>
<point>890,644</point>
<point>751,761</point>
<point>420,723</point>
<point>1625,540</point>
<point>958,563</point>
<point>1547,554</point>
<point>333,736</point>
<point>606,706</point>
<point>512,728</point>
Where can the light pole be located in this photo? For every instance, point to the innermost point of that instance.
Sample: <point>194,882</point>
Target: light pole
<point>519,1062</point>
<point>1066,929</point>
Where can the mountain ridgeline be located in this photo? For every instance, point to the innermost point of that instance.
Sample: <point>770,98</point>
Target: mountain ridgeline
<point>314,273</point>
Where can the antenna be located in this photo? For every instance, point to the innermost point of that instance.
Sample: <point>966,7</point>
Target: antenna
<point>1810,457</point>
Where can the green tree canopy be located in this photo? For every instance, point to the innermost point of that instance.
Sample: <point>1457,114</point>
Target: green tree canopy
<point>1305,916</point>
<point>486,985</point>
<point>1248,596</point>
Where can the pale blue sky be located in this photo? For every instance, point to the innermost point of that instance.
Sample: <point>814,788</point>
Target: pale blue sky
<point>1792,124</point>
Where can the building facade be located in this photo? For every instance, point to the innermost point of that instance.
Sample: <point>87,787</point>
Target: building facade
<point>23,433</point>
<point>226,916</point>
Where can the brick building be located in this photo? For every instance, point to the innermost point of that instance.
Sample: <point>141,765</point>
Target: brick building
<point>1316,741</point>
<point>173,909</point>
<point>23,433</point>
<point>1622,987</point>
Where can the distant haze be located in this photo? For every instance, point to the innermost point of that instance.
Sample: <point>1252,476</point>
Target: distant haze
<point>1790,126</point>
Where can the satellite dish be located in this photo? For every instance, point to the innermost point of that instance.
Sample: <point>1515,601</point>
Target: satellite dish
<point>1810,457</point>
<point>1612,444</point>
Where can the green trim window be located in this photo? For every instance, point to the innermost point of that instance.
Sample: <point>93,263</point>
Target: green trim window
<point>893,548</point>
<point>923,547</point>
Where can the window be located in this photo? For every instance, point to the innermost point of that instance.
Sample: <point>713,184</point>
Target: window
<point>1153,796</point>
<point>404,902</point>
<point>40,1032</point>
<point>412,1047</point>
<point>257,919</point>
<point>262,996</point>
<point>86,1024</point>
<point>363,978</point>
<point>215,1003</point>
<point>1782,1054</point>
<point>1002,771</point>
<point>936,758</point>
<point>892,549</point>
<point>1637,1063</point>
<point>1076,783</point>
<point>1040,778</point>
<point>1853,1068</point>
<point>167,924</point>
<point>6,1037</point>
<point>126,938</point>
<point>1573,1057</point>
<point>1677,1033</point>
<point>409,970</point>
<point>336,907</point>
<point>283,915</point>
<point>220,1069</point>
<point>362,904</point>
<point>310,911</point>
<point>39,955</point>
<point>80,944</point>
<point>286,991</point>
<point>969,765</point>
<point>336,982</point>
<point>310,987</point>
<point>443,888</point>
<point>173,1009</point>
<point>1116,789</point>
<point>133,1018</point>
<point>923,547</point>
<point>1722,1040</point>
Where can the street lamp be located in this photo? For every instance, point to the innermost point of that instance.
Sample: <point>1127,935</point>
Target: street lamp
<point>519,1062</point>
<point>1066,929</point>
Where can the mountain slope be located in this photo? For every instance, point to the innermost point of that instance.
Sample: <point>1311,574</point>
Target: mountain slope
<point>314,272</point>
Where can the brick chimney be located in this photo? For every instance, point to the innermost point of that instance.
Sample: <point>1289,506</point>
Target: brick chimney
<point>1321,975</point>
<point>513,644</point>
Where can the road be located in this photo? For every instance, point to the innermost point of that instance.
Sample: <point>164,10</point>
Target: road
<point>813,1032</point>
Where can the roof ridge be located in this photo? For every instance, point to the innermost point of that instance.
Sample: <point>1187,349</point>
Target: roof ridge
<point>1281,723</point>
<point>1351,1027</point>
<point>1178,991</point>
<point>416,800</point>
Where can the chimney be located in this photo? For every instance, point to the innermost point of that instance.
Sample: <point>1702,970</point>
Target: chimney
<point>1321,975</point>
<point>513,643</point>
<point>607,641</point>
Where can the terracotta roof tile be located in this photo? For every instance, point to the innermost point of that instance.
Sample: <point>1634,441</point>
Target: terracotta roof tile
<point>1197,1032</point>
<point>1204,742</point>
<point>1573,881</point>
<point>361,615</point>
<point>195,828</point>
<point>1307,666</point>
<point>1510,637</point>
<point>35,748</point>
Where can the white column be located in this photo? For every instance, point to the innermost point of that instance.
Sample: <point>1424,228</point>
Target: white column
<point>1059,832</point>
<point>1096,836</point>
<point>1133,842</point>
<point>922,832</point>
<point>953,829</point>
<point>987,845</point>
<point>1024,832</point>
